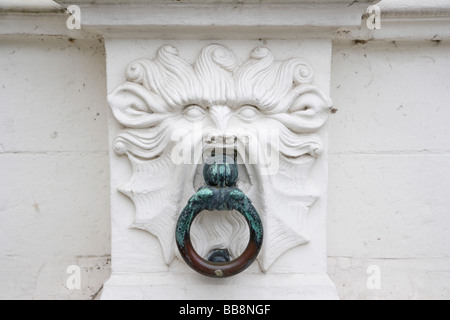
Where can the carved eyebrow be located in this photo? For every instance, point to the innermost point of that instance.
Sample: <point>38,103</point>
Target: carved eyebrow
<point>200,105</point>
<point>242,105</point>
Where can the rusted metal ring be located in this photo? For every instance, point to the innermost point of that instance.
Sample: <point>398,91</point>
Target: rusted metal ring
<point>222,196</point>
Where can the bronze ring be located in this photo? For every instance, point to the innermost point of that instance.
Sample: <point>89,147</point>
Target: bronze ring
<point>219,194</point>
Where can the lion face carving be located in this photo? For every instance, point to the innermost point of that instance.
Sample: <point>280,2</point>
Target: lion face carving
<point>175,114</point>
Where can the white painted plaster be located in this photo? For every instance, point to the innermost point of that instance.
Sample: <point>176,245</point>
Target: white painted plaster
<point>389,169</point>
<point>54,167</point>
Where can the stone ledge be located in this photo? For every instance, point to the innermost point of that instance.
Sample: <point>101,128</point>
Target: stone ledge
<point>246,20</point>
<point>211,19</point>
<point>165,286</point>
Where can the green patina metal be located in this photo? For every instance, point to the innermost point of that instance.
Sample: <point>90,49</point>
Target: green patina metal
<point>221,193</point>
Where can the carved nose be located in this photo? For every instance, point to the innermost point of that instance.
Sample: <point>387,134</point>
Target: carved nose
<point>220,116</point>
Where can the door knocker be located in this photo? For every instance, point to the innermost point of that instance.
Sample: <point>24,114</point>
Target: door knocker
<point>220,173</point>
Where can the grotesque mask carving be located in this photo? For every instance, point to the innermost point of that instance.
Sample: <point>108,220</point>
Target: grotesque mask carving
<point>263,111</point>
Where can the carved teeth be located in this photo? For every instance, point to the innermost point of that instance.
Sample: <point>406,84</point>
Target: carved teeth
<point>220,144</point>
<point>223,139</point>
<point>223,150</point>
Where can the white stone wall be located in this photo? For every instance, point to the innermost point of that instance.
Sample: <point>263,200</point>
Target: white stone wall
<point>388,168</point>
<point>54,185</point>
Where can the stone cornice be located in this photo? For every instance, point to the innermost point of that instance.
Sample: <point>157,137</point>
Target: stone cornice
<point>211,19</point>
<point>234,19</point>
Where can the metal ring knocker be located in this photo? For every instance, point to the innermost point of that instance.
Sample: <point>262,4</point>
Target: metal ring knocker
<point>221,193</point>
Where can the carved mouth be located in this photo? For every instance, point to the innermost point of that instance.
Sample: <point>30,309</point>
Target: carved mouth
<point>216,149</point>
<point>221,139</point>
<point>230,146</point>
<point>213,145</point>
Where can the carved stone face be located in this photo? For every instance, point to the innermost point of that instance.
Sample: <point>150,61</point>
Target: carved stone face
<point>175,113</point>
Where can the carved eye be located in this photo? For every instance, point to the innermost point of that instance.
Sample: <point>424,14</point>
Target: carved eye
<point>194,112</point>
<point>248,112</point>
